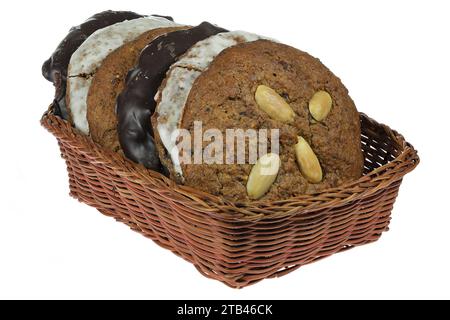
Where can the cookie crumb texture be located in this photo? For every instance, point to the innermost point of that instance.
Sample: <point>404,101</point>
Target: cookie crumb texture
<point>223,97</point>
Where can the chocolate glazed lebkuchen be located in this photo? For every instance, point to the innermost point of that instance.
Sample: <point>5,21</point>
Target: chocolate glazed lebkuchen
<point>136,104</point>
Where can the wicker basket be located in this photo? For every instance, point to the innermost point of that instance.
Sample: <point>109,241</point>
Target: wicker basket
<point>240,244</point>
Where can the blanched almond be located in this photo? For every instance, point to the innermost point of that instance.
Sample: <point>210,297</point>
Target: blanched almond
<point>320,105</point>
<point>307,161</point>
<point>273,104</point>
<point>263,175</point>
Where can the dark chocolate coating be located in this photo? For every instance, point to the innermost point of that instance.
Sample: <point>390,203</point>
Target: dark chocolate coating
<point>136,104</point>
<point>55,68</point>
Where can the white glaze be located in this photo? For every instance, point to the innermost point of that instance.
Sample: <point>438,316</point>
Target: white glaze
<point>180,79</point>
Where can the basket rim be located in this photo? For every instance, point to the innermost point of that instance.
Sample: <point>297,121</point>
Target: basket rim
<point>213,205</point>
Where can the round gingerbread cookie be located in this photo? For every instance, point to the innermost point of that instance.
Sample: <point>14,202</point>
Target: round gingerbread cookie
<point>108,82</point>
<point>224,95</point>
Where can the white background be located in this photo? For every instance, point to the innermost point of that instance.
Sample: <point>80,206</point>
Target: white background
<point>394,57</point>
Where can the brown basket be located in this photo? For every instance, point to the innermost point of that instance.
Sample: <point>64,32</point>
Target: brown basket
<point>240,244</point>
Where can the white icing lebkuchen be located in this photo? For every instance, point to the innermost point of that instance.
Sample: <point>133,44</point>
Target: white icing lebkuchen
<point>179,81</point>
<point>89,56</point>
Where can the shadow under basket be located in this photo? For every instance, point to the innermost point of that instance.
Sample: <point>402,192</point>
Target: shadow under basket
<point>240,244</point>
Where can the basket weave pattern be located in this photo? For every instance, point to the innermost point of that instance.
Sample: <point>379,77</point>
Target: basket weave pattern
<point>240,244</point>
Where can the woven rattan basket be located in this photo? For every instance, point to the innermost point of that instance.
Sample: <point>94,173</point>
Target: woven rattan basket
<point>240,244</point>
